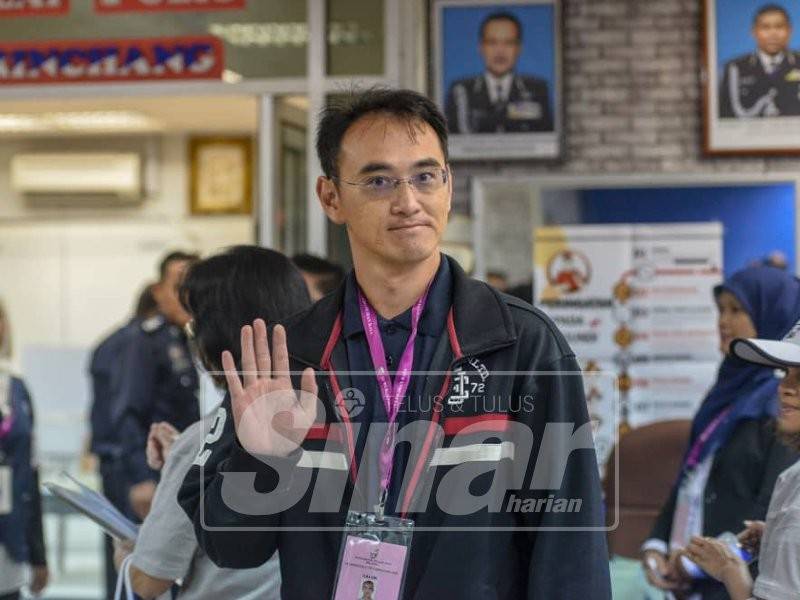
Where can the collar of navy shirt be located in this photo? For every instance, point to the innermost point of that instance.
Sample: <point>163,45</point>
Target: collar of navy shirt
<point>481,323</point>
<point>482,320</point>
<point>431,323</point>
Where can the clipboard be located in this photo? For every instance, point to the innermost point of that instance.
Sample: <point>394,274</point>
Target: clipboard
<point>97,507</point>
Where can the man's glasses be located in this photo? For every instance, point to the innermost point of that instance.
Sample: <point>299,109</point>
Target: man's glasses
<point>384,186</point>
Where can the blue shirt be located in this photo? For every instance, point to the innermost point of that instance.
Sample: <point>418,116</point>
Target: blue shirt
<point>394,333</point>
<point>158,382</point>
<point>104,369</point>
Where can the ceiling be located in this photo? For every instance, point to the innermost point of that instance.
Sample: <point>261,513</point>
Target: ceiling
<point>227,114</point>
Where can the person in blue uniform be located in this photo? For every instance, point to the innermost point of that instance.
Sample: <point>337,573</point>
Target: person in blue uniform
<point>159,381</point>
<point>764,83</point>
<point>499,99</point>
<point>21,532</point>
<point>104,367</point>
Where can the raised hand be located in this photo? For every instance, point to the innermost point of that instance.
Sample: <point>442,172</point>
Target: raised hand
<point>271,418</point>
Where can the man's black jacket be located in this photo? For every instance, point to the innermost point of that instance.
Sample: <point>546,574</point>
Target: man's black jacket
<point>500,367</point>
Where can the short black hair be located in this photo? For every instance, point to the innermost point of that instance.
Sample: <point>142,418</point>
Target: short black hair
<point>769,8</point>
<point>146,303</point>
<point>231,289</point>
<point>175,255</point>
<point>407,105</point>
<point>500,16</point>
<point>330,274</point>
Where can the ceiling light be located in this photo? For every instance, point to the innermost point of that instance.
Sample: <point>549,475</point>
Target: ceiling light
<point>100,120</point>
<point>229,76</point>
<point>76,122</point>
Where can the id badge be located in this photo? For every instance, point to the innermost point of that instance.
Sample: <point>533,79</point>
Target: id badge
<point>6,492</point>
<point>373,557</point>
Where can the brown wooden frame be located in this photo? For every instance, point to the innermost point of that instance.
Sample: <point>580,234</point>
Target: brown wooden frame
<point>197,145</point>
<point>706,64</point>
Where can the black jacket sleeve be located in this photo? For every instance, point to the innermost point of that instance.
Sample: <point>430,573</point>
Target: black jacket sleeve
<point>452,108</point>
<point>553,570</point>
<point>230,537</point>
<point>662,528</point>
<point>137,395</point>
<point>547,110</point>
<point>725,100</point>
<point>34,529</point>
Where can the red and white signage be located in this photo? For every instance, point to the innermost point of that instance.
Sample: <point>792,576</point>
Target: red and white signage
<point>27,8</point>
<point>118,6</point>
<point>153,59</point>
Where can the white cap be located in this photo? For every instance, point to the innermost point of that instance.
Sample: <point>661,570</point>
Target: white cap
<point>771,353</point>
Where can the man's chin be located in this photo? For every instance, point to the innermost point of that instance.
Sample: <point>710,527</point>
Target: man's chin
<point>415,253</point>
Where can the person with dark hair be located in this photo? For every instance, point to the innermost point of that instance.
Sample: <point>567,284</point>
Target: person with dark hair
<point>21,529</point>
<point>105,372</point>
<point>221,293</point>
<point>776,542</point>
<point>499,99</point>
<point>393,354</point>
<point>523,291</point>
<point>322,276</point>
<point>498,280</point>
<point>734,457</point>
<point>764,83</point>
<point>157,380</point>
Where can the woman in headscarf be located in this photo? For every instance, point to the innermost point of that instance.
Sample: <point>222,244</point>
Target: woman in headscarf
<point>21,532</point>
<point>734,457</point>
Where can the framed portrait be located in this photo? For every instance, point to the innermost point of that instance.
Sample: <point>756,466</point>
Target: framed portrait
<point>220,175</point>
<point>752,77</point>
<point>497,76</point>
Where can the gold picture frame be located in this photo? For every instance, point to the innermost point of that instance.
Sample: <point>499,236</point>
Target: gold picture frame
<point>221,175</point>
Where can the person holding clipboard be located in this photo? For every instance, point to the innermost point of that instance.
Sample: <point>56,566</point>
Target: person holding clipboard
<point>21,533</point>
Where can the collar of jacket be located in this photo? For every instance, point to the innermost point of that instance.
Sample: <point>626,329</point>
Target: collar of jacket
<point>482,320</point>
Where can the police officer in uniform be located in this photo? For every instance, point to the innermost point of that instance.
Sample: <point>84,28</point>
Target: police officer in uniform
<point>765,83</point>
<point>104,370</point>
<point>159,380</point>
<point>499,100</point>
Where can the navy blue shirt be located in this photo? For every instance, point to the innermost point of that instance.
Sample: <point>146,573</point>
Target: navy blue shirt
<point>394,333</point>
<point>106,361</point>
<point>158,382</point>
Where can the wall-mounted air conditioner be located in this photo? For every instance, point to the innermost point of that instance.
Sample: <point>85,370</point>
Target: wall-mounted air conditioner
<point>78,173</point>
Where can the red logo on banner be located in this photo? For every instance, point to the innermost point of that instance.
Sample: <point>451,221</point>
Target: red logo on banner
<point>23,8</point>
<point>154,59</point>
<point>114,6</point>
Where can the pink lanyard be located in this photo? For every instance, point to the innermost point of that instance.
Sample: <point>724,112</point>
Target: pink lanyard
<point>392,393</point>
<point>694,454</point>
<point>6,424</point>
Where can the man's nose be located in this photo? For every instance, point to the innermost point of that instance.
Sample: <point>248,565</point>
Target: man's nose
<point>405,199</point>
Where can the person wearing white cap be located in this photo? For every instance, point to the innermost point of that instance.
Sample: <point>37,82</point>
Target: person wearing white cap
<point>777,541</point>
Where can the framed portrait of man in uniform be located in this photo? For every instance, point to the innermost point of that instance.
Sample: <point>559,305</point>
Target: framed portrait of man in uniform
<point>752,77</point>
<point>497,76</point>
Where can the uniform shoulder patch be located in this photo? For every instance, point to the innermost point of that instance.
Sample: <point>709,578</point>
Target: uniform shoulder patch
<point>152,324</point>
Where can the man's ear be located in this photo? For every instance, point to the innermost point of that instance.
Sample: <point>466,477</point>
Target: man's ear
<point>329,199</point>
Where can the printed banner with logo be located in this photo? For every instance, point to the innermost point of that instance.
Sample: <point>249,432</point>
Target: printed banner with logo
<point>120,6</point>
<point>29,8</point>
<point>636,301</point>
<point>154,59</point>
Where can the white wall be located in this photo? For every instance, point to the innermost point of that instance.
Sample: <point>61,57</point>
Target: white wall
<point>69,275</point>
